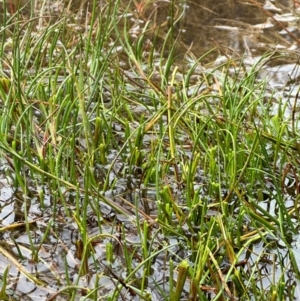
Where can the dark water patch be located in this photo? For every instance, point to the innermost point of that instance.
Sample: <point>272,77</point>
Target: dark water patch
<point>238,27</point>
<point>210,24</point>
<point>233,28</point>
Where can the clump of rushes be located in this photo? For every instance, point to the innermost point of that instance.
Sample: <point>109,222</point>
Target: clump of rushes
<point>107,135</point>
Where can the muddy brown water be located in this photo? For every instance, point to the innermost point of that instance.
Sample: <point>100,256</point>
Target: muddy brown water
<point>235,26</point>
<point>210,24</point>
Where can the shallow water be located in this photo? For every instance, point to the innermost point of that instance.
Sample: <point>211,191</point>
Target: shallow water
<point>226,25</point>
<point>232,27</point>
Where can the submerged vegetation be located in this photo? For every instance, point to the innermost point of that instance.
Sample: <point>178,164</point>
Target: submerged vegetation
<point>131,170</point>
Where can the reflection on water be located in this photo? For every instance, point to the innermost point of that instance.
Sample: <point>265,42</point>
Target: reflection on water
<point>211,24</point>
<point>230,26</point>
<point>233,25</point>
